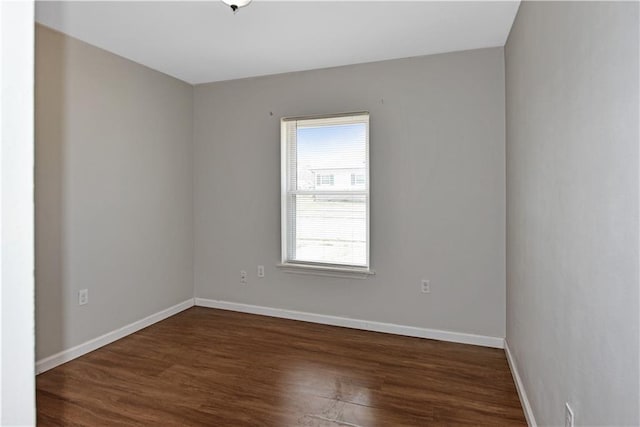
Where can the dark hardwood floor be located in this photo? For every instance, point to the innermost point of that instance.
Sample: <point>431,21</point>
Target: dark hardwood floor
<point>220,368</point>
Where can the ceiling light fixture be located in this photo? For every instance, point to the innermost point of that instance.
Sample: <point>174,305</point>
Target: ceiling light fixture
<point>236,4</point>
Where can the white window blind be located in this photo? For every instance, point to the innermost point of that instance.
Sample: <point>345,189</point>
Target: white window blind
<point>325,190</point>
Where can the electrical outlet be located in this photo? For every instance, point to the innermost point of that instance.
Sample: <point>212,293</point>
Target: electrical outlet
<point>243,277</point>
<point>83,296</point>
<point>568,415</point>
<point>261,271</point>
<point>426,287</point>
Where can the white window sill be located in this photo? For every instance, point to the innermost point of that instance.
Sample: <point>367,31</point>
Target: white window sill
<point>328,271</point>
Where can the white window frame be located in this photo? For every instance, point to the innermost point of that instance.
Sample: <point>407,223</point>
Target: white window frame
<point>324,269</point>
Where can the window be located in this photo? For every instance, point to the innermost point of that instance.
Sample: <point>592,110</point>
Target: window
<point>325,192</point>
<point>324,180</point>
<point>357,179</point>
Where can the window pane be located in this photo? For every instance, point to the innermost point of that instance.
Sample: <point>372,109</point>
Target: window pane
<point>328,156</point>
<point>331,229</point>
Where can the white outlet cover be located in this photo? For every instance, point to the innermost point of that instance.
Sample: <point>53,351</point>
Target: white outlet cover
<point>83,296</point>
<point>426,287</point>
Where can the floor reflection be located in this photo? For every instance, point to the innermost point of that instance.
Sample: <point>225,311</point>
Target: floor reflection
<point>325,395</point>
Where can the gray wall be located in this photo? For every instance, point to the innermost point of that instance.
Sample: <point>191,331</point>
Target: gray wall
<point>437,190</point>
<point>113,191</point>
<point>572,209</point>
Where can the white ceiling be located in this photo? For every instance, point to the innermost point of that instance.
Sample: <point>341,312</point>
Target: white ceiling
<point>204,41</point>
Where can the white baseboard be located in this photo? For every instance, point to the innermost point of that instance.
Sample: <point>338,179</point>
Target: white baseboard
<point>84,348</point>
<point>524,400</point>
<point>389,328</point>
